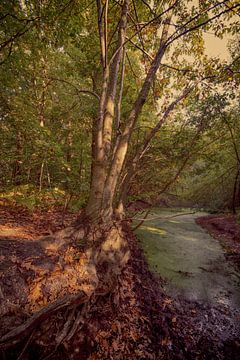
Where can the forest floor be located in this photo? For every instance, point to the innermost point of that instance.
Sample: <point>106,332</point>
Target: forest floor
<point>141,321</point>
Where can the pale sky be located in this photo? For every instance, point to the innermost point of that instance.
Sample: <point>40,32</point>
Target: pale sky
<point>216,47</point>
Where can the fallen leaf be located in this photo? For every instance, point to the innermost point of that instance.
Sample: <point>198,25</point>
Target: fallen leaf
<point>105,343</point>
<point>115,345</point>
<point>166,342</point>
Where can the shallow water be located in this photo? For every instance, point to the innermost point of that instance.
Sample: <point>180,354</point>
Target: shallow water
<point>192,262</point>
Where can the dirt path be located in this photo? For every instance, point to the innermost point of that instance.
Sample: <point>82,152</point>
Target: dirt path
<point>191,261</point>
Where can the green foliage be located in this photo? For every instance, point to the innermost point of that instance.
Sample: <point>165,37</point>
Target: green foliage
<point>30,197</point>
<point>50,52</point>
<point>212,178</point>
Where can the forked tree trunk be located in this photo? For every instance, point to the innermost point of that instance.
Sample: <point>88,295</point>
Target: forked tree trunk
<point>120,151</point>
<point>102,127</point>
<point>106,171</point>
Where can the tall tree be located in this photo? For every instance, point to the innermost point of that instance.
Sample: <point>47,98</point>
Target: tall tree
<point>168,21</point>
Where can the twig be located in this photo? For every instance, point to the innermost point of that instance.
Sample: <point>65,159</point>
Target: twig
<point>66,327</point>
<point>75,326</point>
<point>79,91</point>
<point>144,219</point>
<point>159,218</point>
<point>48,356</point>
<point>26,345</point>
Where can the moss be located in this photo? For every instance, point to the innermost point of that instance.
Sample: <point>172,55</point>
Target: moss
<point>182,253</point>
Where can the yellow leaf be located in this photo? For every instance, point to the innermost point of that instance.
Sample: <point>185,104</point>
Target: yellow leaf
<point>36,292</point>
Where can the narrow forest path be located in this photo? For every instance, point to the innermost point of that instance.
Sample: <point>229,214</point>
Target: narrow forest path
<point>192,262</point>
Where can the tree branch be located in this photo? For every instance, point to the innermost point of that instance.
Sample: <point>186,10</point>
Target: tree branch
<point>84,91</point>
<point>172,38</point>
<point>144,26</point>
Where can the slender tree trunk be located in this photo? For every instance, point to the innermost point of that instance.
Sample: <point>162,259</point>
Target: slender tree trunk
<point>102,127</point>
<point>41,176</point>
<point>234,192</point>
<point>17,171</point>
<point>238,193</point>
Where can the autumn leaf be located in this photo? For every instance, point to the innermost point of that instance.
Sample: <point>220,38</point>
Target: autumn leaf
<point>115,345</point>
<point>166,342</point>
<point>105,344</point>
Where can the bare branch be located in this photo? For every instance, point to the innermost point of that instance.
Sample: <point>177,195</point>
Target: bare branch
<point>235,12</point>
<point>185,161</point>
<point>149,7</point>
<point>157,218</point>
<point>144,26</point>
<point>141,49</point>
<point>84,91</point>
<point>131,68</point>
<point>27,20</point>
<point>177,69</point>
<point>18,34</point>
<point>198,26</point>
<point>106,31</point>
<point>199,14</point>
<point>101,33</point>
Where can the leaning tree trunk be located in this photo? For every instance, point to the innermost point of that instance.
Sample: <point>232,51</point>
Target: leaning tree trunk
<point>235,193</point>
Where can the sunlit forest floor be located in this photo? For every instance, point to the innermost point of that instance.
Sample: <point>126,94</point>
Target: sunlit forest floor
<point>20,222</point>
<point>138,321</point>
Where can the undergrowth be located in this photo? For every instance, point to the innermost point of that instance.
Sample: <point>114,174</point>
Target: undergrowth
<point>29,196</point>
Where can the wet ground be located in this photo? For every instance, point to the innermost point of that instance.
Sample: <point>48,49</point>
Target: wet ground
<point>192,262</point>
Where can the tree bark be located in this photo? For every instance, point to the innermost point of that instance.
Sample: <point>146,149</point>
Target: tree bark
<point>102,128</point>
<point>234,193</point>
<point>122,147</point>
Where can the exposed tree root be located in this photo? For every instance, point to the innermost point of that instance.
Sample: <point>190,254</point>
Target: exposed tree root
<point>76,266</point>
<point>17,334</point>
<point>26,345</point>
